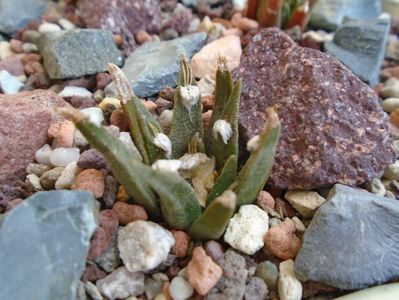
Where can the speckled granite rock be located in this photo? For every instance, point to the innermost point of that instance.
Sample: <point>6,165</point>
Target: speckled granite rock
<point>333,127</point>
<point>352,240</point>
<point>24,121</point>
<point>328,14</point>
<point>14,14</point>
<point>360,45</point>
<point>124,17</point>
<point>74,53</point>
<point>44,243</point>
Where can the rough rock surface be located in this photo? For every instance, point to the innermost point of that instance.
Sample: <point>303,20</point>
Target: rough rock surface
<point>122,17</point>
<point>155,65</point>
<point>360,45</point>
<point>353,239</point>
<point>74,53</point>
<point>14,14</point>
<point>328,14</point>
<point>333,127</point>
<point>24,121</point>
<point>33,255</point>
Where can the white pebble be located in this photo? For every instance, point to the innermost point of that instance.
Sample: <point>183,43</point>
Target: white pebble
<point>71,91</point>
<point>126,139</point>
<point>247,229</point>
<point>304,202</point>
<point>9,84</point>
<point>180,289</point>
<point>68,176</point>
<point>392,171</point>
<point>165,118</point>
<point>390,104</point>
<point>144,245</point>
<point>121,284</point>
<point>5,50</point>
<point>95,115</point>
<point>29,47</point>
<point>34,181</point>
<point>66,24</point>
<point>42,155</point>
<point>49,27</point>
<point>289,288</point>
<point>61,157</point>
<point>391,88</point>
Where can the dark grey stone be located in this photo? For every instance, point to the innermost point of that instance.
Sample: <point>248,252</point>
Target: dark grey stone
<point>361,45</point>
<point>109,260</point>
<point>75,53</point>
<point>231,285</point>
<point>91,159</point>
<point>328,14</point>
<point>352,241</point>
<point>155,65</point>
<point>43,245</point>
<point>15,14</point>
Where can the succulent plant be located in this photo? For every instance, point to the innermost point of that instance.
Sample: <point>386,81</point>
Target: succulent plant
<point>207,160</point>
<point>281,13</point>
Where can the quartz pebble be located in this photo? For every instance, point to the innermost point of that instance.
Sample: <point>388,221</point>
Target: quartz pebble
<point>33,182</point>
<point>9,84</point>
<point>61,157</point>
<point>180,289</point>
<point>121,284</point>
<point>42,155</point>
<point>90,180</point>
<point>305,202</point>
<point>289,288</point>
<point>74,91</point>
<point>202,272</point>
<point>48,27</point>
<point>143,245</point>
<point>390,104</point>
<point>68,176</point>
<point>247,228</point>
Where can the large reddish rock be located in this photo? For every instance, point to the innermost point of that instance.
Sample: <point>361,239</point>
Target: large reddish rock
<point>124,17</point>
<point>24,121</point>
<point>333,127</point>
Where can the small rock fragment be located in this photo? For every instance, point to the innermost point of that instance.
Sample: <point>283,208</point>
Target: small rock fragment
<point>247,228</point>
<point>180,289</point>
<point>305,202</point>
<point>61,157</point>
<point>121,284</point>
<point>182,241</point>
<point>214,249</point>
<point>256,289</point>
<point>49,178</point>
<point>91,159</point>
<point>289,288</point>
<point>143,245</point>
<point>202,272</point>
<point>67,177</point>
<point>129,212</point>
<point>110,190</point>
<point>90,180</point>
<point>269,273</point>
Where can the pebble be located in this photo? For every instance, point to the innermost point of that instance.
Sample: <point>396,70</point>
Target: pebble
<point>126,139</point>
<point>68,176</point>
<point>37,169</point>
<point>5,50</point>
<point>214,249</point>
<point>143,245</point>
<point>16,45</point>
<point>202,272</point>
<point>299,226</point>
<point>48,27</point>
<point>93,273</point>
<point>289,288</point>
<point>90,180</point>
<point>42,155</point>
<point>160,277</point>
<point>129,212</point>
<point>180,289</point>
<point>163,104</point>
<point>165,118</point>
<point>205,62</point>
<point>30,36</point>
<point>49,178</point>
<point>66,24</point>
<point>119,119</point>
<point>182,241</point>
<point>206,86</point>
<point>9,84</point>
<point>392,171</point>
<point>150,105</point>
<point>74,91</point>
<point>33,182</point>
<point>63,133</point>
<point>142,37</point>
<point>103,79</point>
<point>29,47</point>
<point>394,118</point>
<point>391,88</point>
<point>92,291</point>
<point>109,259</point>
<point>305,202</point>
<point>247,228</point>
<point>376,187</point>
<point>122,195</point>
<point>111,187</point>
<point>96,116</point>
<point>265,201</point>
<point>269,273</point>
<point>61,157</point>
<point>13,66</point>
<point>232,31</point>
<point>246,24</point>
<point>110,104</point>
<point>206,119</point>
<point>256,289</point>
<point>152,288</point>
<point>121,284</point>
<point>91,159</point>
<point>390,104</point>
<point>281,240</point>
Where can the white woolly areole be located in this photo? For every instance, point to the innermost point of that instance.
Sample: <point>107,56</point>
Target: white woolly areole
<point>190,95</point>
<point>170,165</point>
<point>191,161</point>
<point>253,143</point>
<point>164,143</point>
<point>223,128</point>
